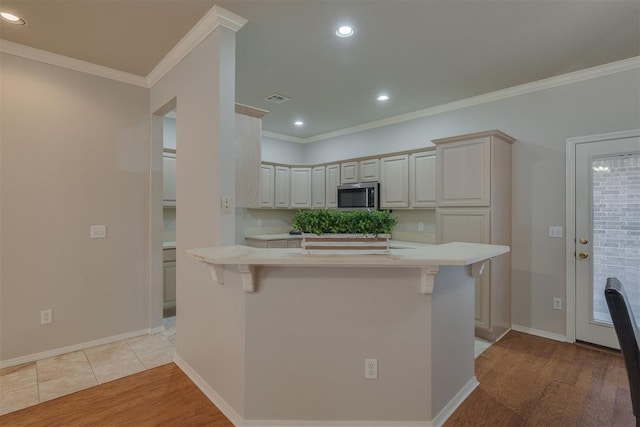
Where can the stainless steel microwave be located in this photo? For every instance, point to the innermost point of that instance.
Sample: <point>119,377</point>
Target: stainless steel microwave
<point>358,196</point>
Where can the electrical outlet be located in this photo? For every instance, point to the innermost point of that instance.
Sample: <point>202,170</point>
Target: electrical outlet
<point>371,369</point>
<point>555,231</point>
<point>557,303</point>
<point>421,226</point>
<point>98,231</point>
<point>226,205</point>
<point>46,316</point>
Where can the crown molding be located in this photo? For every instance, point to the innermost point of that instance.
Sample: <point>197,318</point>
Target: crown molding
<point>283,137</point>
<point>38,55</point>
<point>564,79</point>
<point>214,18</point>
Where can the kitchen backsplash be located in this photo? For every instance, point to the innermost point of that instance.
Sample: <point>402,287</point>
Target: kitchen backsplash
<point>267,221</point>
<point>169,226</point>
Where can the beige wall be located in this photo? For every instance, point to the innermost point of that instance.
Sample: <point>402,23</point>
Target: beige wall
<point>203,88</point>
<point>74,153</point>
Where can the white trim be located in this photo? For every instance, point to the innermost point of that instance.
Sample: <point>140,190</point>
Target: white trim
<point>76,347</point>
<point>283,137</point>
<point>208,391</point>
<point>453,404</point>
<point>565,79</point>
<point>33,54</point>
<point>570,219</point>
<point>539,333</point>
<point>215,17</point>
<point>300,423</point>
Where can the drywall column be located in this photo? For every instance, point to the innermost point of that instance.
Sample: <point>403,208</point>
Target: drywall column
<point>203,86</point>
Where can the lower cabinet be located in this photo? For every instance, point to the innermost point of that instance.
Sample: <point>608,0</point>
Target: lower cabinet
<point>169,279</point>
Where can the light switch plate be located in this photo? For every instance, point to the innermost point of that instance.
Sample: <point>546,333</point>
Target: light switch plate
<point>555,231</point>
<point>98,231</point>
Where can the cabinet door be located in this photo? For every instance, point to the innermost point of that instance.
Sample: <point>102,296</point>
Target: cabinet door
<point>318,183</point>
<point>464,173</point>
<point>169,275</point>
<point>471,226</point>
<point>349,172</point>
<point>422,182</point>
<point>332,179</point>
<point>283,187</point>
<point>394,182</point>
<point>169,179</point>
<point>267,186</point>
<point>300,188</point>
<point>369,170</point>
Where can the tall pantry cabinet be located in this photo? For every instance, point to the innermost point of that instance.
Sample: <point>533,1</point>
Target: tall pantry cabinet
<point>474,205</point>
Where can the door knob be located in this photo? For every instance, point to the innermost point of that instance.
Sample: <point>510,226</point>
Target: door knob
<point>583,255</point>
<point>583,241</point>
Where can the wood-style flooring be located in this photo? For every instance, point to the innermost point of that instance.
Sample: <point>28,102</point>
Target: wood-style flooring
<point>524,381</point>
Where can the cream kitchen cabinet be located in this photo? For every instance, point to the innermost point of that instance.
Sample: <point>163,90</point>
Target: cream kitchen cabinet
<point>369,170</point>
<point>394,182</point>
<point>318,187</point>
<point>168,178</point>
<point>474,205</point>
<point>282,187</point>
<point>349,172</point>
<point>422,180</point>
<point>169,279</point>
<point>332,180</point>
<point>251,190</point>
<point>267,186</point>
<point>300,196</point>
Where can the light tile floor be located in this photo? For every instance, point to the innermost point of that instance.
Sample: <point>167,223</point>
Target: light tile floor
<point>31,383</point>
<point>480,346</point>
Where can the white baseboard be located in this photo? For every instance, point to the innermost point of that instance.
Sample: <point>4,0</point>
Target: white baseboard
<point>457,400</point>
<point>296,423</point>
<point>208,391</point>
<point>76,347</point>
<point>238,421</point>
<point>539,333</point>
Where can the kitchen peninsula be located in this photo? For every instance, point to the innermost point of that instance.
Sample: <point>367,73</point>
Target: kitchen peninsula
<point>307,324</point>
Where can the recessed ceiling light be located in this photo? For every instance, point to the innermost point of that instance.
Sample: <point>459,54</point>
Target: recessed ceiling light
<point>10,17</point>
<point>298,123</point>
<point>344,31</point>
<point>383,98</point>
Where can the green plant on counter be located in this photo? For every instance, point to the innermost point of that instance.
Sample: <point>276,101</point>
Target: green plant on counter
<point>323,221</point>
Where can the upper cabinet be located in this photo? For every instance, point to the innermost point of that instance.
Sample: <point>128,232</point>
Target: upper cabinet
<point>248,147</point>
<point>300,196</point>
<point>422,180</point>
<point>332,180</point>
<point>282,187</point>
<point>369,170</point>
<point>168,178</point>
<point>267,186</point>
<point>465,176</point>
<point>318,186</point>
<point>394,182</point>
<point>349,173</point>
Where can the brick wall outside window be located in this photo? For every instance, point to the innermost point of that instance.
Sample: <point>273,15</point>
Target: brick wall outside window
<point>616,230</point>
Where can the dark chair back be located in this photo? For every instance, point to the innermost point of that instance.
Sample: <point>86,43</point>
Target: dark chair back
<point>628,336</point>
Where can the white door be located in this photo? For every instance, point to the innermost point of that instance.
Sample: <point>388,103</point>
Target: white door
<point>607,201</point>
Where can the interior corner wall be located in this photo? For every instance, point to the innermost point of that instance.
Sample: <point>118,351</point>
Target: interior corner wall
<point>279,151</point>
<point>209,325</point>
<point>541,122</point>
<point>74,154</point>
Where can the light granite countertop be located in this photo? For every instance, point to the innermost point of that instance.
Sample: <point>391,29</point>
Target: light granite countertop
<point>430,255</point>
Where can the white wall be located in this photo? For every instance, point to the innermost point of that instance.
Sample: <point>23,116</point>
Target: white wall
<point>540,121</point>
<point>278,151</point>
<point>74,153</point>
<point>169,132</point>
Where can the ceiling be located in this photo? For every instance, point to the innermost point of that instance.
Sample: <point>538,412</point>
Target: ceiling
<point>422,53</point>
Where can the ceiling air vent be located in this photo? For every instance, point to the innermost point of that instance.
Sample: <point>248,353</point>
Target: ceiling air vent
<point>277,99</point>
